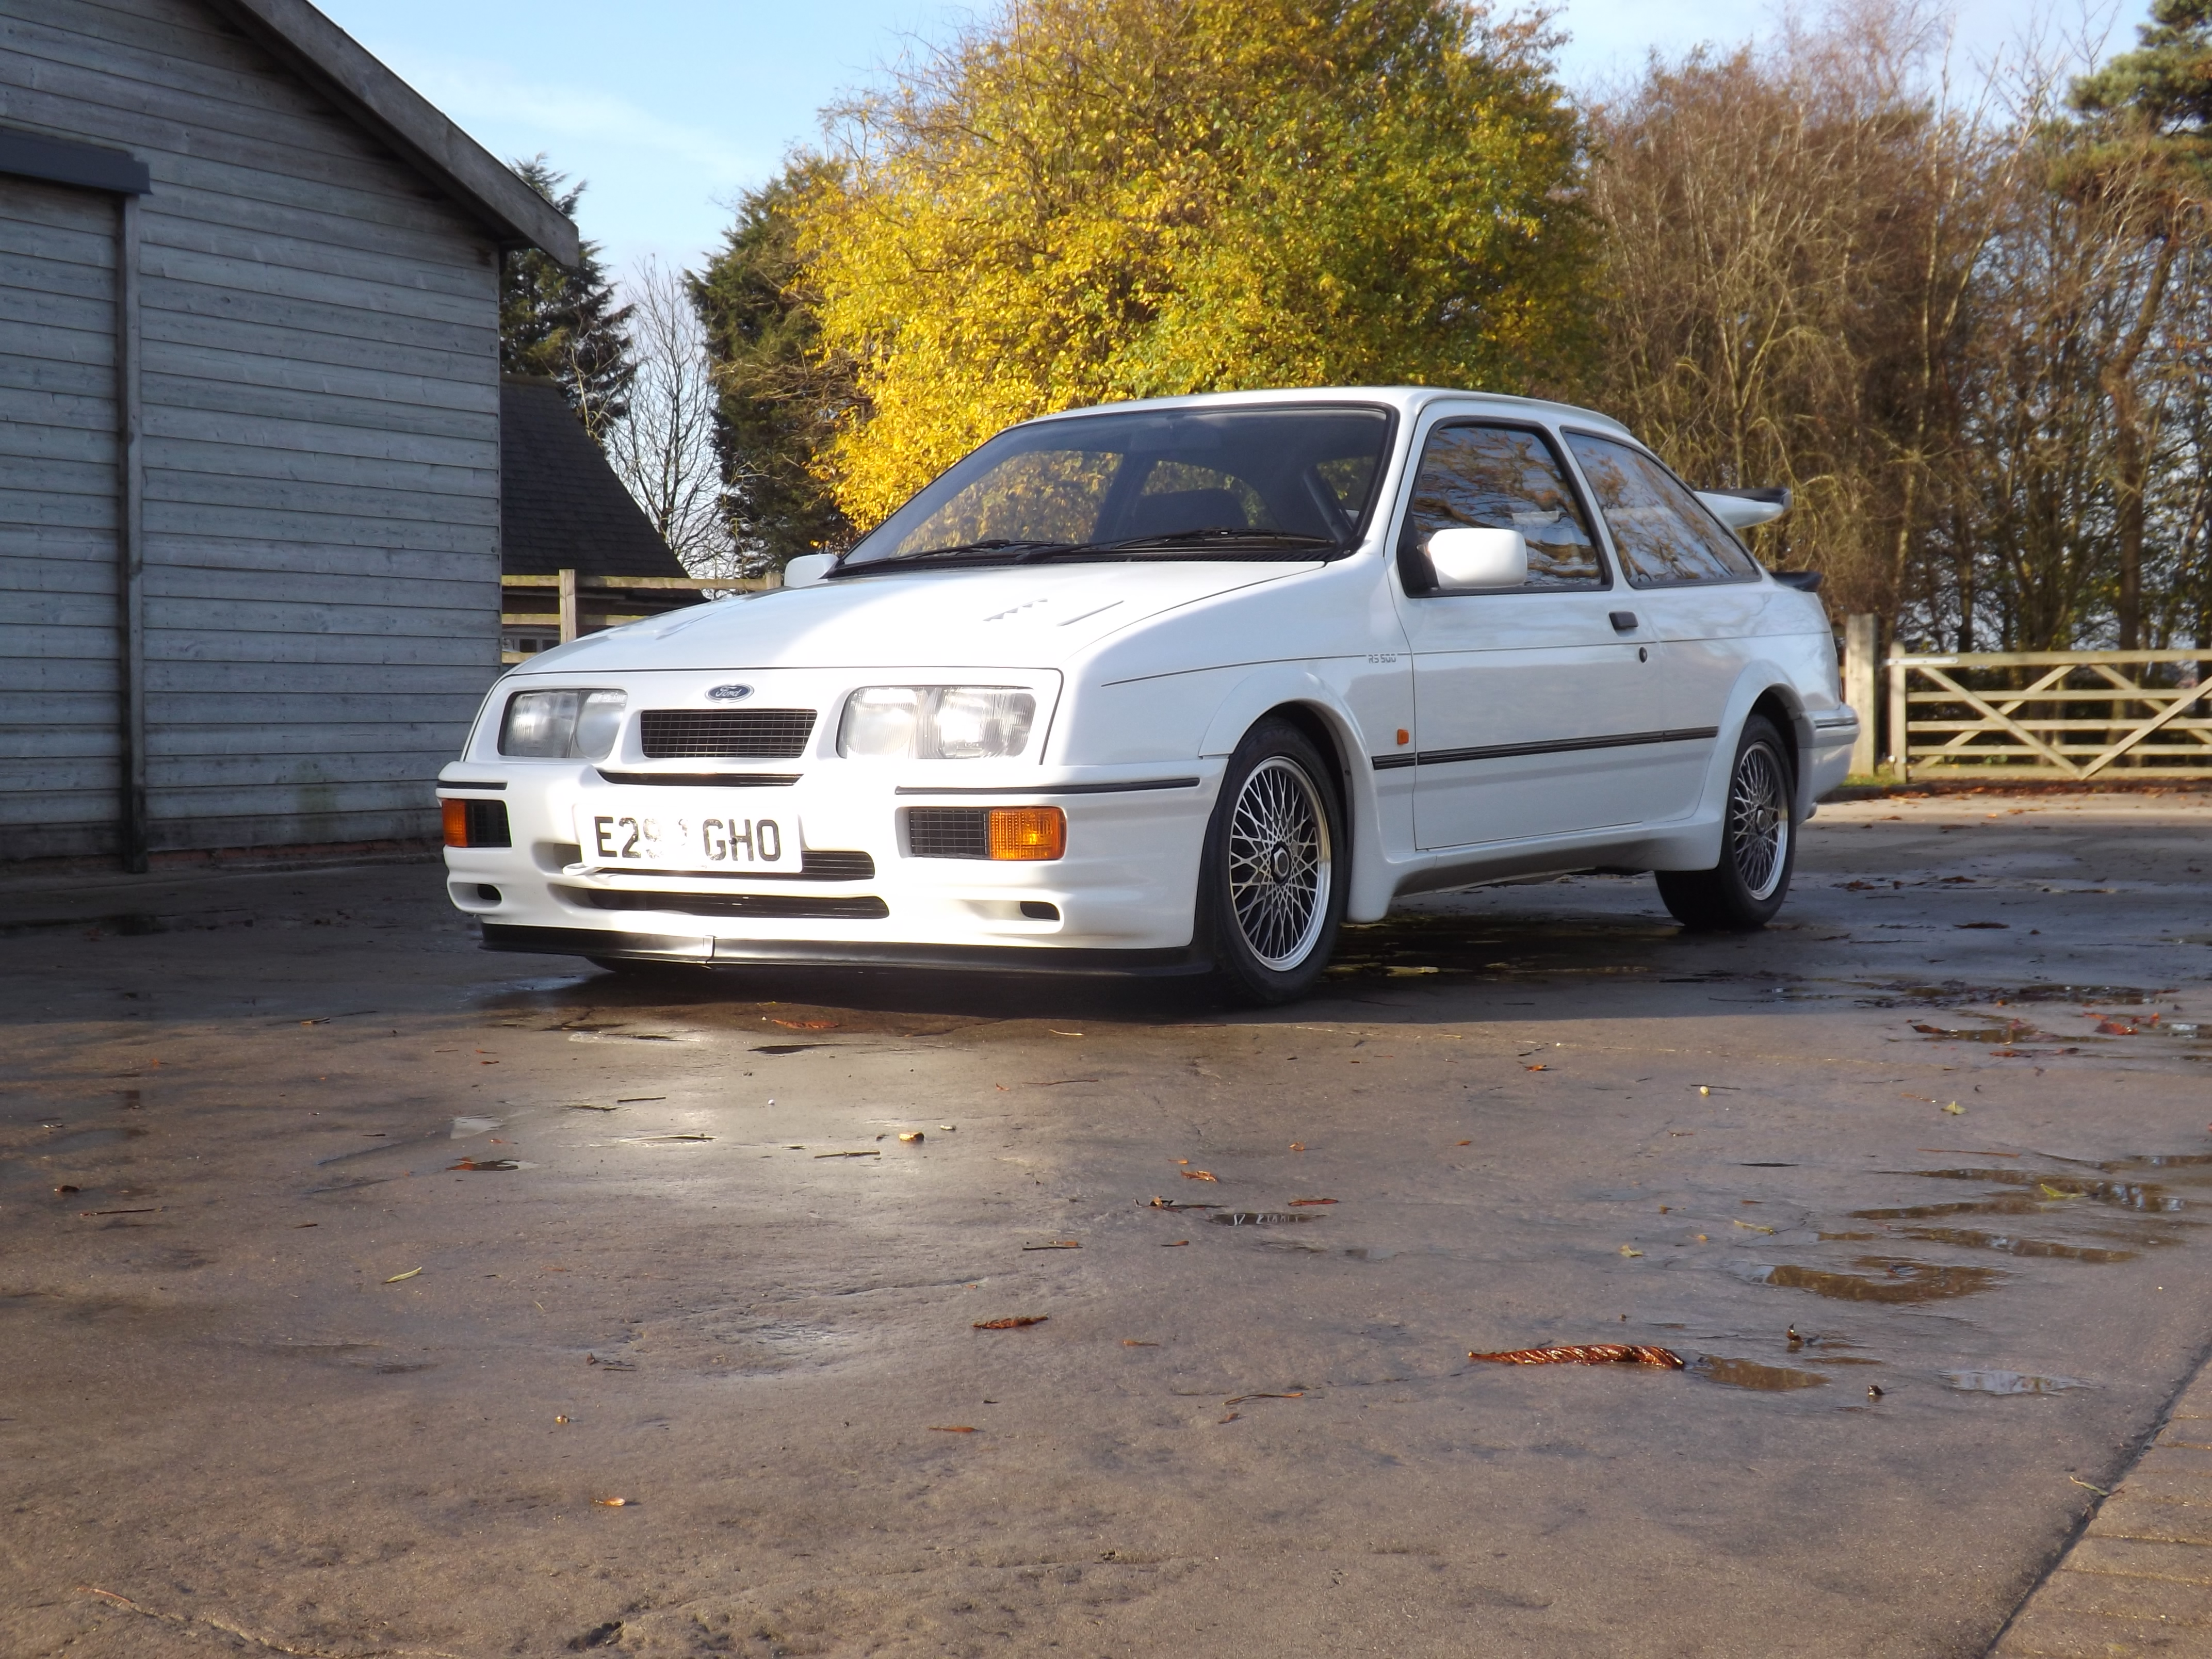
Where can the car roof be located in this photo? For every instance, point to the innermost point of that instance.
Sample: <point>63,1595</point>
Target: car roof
<point>1409,400</point>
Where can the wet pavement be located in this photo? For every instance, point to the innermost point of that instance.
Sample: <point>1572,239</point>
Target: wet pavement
<point>349,1274</point>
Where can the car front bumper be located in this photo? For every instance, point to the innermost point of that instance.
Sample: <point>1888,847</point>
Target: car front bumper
<point>847,888</point>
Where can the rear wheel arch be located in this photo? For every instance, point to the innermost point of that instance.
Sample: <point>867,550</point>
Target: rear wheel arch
<point>1789,719</point>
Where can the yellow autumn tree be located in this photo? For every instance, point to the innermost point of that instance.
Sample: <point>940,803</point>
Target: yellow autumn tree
<point>1085,200</point>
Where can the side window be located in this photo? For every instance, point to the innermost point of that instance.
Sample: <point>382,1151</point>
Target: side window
<point>1662,533</point>
<point>1502,477</point>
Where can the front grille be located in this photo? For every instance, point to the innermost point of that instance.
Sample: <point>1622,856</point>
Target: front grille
<point>787,907</point>
<point>761,733</point>
<point>948,832</point>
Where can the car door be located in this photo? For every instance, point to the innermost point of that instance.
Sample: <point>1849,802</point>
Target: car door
<point>1690,579</point>
<point>1532,703</point>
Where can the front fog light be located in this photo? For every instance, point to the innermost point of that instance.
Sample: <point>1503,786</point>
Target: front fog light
<point>567,725</point>
<point>937,722</point>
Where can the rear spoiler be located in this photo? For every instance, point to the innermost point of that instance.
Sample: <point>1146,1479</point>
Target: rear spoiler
<point>1739,509</point>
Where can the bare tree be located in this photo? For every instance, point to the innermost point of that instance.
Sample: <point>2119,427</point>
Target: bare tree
<point>663,446</point>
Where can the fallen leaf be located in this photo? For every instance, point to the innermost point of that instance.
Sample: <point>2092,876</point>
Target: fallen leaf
<point>395,1278</point>
<point>1298,1145</point>
<point>1014,1323</point>
<point>873,1152</point>
<point>1751,1226</point>
<point>1955,1109</point>
<point>1162,1204</point>
<point>68,1189</point>
<point>1201,1174</point>
<point>951,1428</point>
<point>612,1503</point>
<point>2049,1191</point>
<point>1630,1250</point>
<point>1602,1353</point>
<point>1462,1143</point>
<point>1132,1342</point>
<point>1299,1394</point>
<point>2114,1028</point>
<point>1535,1068</point>
<point>2100,1490</point>
<point>485,1163</point>
<point>1296,1202</point>
<point>1233,1417</point>
<point>909,1137</point>
<point>808,1024</point>
<point>1062,1244</point>
<point>1177,1245</point>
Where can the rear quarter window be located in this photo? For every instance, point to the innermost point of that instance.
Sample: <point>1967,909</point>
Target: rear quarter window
<point>1661,532</point>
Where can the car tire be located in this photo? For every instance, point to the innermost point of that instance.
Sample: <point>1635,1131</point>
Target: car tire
<point>1271,885</point>
<point>1758,842</point>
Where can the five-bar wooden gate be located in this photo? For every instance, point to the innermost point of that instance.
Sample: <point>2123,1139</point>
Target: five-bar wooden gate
<point>2051,715</point>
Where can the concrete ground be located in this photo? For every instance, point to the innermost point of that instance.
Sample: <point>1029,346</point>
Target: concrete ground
<point>349,1275</point>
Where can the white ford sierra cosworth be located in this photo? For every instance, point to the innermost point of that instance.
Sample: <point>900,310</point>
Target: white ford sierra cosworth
<point>1176,688</point>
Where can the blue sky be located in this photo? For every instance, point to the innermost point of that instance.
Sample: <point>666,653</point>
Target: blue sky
<point>668,107</point>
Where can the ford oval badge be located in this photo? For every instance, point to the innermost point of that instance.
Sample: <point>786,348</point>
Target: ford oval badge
<point>730,693</point>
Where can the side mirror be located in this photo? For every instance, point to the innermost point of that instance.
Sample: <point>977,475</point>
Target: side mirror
<point>807,569</point>
<point>1464,557</point>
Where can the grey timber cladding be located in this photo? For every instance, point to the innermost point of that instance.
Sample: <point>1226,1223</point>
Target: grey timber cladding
<point>60,745</point>
<point>317,331</point>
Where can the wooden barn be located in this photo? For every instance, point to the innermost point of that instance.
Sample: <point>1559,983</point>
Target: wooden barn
<point>250,431</point>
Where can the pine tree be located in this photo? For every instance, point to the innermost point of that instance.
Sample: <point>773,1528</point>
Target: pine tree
<point>563,324</point>
<point>779,403</point>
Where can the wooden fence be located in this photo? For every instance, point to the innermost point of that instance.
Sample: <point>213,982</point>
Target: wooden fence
<point>2079,714</point>
<point>537,612</point>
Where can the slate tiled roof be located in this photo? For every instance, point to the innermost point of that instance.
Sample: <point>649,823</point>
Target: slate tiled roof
<point>560,505</point>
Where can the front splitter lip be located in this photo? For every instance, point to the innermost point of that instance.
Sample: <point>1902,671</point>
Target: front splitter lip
<point>704,951</point>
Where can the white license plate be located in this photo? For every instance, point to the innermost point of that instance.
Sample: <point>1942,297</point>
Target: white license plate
<point>718,836</point>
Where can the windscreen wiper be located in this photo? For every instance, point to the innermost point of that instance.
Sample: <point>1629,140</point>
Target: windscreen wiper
<point>1216,535</point>
<point>994,549</point>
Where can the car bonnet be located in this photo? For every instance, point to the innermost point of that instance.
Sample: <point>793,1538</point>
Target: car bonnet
<point>1035,615</point>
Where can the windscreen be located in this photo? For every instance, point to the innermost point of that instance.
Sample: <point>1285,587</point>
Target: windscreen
<point>1206,483</point>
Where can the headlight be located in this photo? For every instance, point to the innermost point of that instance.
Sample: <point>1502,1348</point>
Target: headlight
<point>937,722</point>
<point>561,724</point>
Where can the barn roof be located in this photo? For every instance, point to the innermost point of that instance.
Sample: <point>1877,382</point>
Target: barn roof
<point>348,73</point>
<point>561,506</point>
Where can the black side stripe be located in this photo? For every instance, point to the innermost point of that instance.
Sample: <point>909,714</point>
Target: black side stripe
<point>1557,746</point>
<point>1051,788</point>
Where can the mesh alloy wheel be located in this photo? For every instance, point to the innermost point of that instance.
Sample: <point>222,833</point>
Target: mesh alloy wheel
<point>1759,820</point>
<point>1280,865</point>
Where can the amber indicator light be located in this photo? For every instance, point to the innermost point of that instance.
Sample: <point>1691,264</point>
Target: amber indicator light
<point>456,823</point>
<point>1035,833</point>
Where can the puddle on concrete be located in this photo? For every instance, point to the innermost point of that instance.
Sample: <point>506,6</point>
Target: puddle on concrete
<point>1961,994</point>
<point>2008,1382</point>
<point>1880,1279</point>
<point>2011,1031</point>
<point>1750,1374</point>
<point>2011,1244</point>
<point>2124,1194</point>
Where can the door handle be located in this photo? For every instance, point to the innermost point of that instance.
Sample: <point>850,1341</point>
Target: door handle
<point>1623,622</point>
